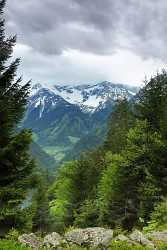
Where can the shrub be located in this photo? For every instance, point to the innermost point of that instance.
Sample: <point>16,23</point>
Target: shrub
<point>158,219</point>
<point>119,230</point>
<point>11,245</point>
<point>162,246</point>
<point>125,246</point>
<point>13,235</point>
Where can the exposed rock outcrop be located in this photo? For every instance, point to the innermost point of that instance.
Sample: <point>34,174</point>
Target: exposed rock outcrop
<point>90,237</point>
<point>140,238</point>
<point>95,237</point>
<point>122,237</point>
<point>30,240</point>
<point>52,241</point>
<point>158,236</point>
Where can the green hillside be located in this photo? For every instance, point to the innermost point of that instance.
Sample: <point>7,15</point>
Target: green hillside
<point>42,159</point>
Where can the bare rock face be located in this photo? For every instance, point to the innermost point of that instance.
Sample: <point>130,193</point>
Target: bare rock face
<point>30,240</point>
<point>140,238</point>
<point>158,236</point>
<point>52,241</point>
<point>90,237</point>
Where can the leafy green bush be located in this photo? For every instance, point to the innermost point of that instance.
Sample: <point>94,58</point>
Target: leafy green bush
<point>13,234</point>
<point>87,214</point>
<point>119,230</point>
<point>11,245</point>
<point>158,219</point>
<point>124,246</point>
<point>162,246</point>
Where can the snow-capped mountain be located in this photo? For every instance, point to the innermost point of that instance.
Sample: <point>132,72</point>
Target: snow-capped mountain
<point>89,98</point>
<point>44,99</point>
<point>66,119</point>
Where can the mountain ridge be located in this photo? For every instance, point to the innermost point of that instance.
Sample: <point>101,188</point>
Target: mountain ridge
<point>87,97</point>
<point>62,116</point>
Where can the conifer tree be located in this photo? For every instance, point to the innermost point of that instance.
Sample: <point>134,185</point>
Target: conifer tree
<point>41,220</point>
<point>134,180</point>
<point>121,120</point>
<point>152,102</point>
<point>15,163</point>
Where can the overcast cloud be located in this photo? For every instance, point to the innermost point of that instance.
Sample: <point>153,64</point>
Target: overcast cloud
<point>89,40</point>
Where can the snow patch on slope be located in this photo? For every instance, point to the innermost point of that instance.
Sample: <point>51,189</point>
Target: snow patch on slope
<point>88,97</point>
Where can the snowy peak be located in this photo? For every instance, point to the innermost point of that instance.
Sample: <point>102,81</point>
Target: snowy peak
<point>93,95</point>
<point>35,88</point>
<point>44,100</point>
<point>88,98</point>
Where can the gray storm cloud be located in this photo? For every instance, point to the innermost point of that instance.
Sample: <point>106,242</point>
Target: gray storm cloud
<point>96,26</point>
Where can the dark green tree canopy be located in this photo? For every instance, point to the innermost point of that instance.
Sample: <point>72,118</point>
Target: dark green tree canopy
<point>120,184</point>
<point>120,121</point>
<point>15,163</point>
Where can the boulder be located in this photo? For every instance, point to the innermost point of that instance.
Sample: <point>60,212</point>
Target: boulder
<point>158,236</point>
<point>30,240</point>
<point>122,237</point>
<point>52,241</point>
<point>76,236</point>
<point>138,237</point>
<point>90,237</point>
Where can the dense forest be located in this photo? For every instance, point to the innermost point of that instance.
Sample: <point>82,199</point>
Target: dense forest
<point>121,185</point>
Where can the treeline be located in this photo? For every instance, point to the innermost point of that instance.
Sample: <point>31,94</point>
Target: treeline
<point>119,184</point>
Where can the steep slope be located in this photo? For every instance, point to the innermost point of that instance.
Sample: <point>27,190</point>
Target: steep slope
<point>43,160</point>
<point>67,118</point>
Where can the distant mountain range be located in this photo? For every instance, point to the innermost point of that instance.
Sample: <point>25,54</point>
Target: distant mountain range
<point>69,119</point>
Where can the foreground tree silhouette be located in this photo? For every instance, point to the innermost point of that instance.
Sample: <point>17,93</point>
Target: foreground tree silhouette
<point>15,163</point>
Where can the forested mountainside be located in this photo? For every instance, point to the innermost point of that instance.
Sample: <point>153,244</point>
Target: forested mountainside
<point>67,120</point>
<point>42,159</point>
<point>122,183</point>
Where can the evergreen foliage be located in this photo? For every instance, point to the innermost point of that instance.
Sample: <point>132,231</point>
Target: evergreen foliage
<point>75,188</point>
<point>152,100</point>
<point>41,218</point>
<point>158,218</point>
<point>120,183</point>
<point>15,163</point>
<point>134,180</point>
<point>121,120</point>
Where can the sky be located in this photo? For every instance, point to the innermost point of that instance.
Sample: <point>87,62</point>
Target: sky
<point>88,41</point>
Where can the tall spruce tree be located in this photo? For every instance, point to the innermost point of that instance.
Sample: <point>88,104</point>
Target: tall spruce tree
<point>15,163</point>
<point>152,102</point>
<point>121,120</point>
<point>41,220</point>
<point>135,180</point>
